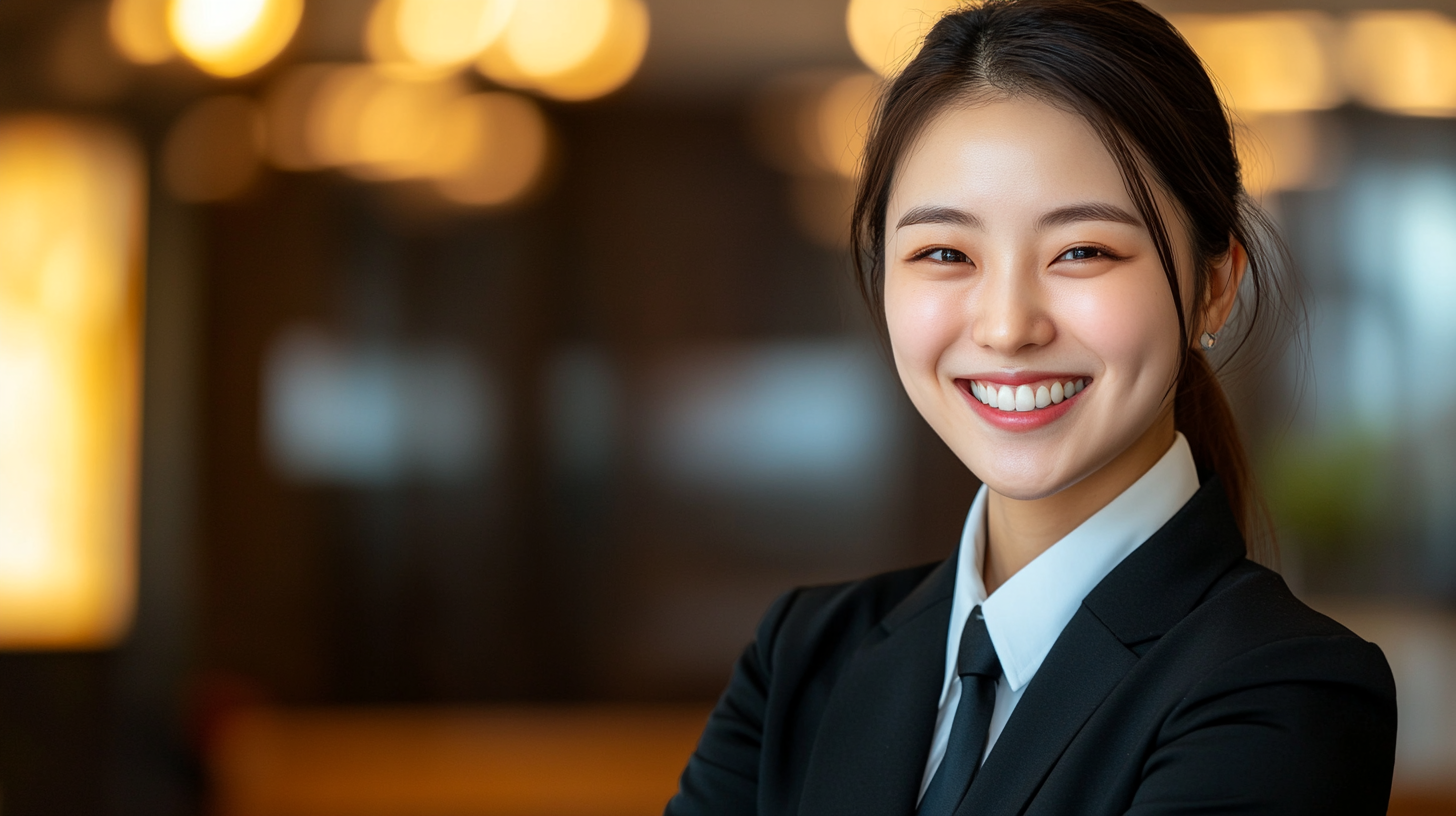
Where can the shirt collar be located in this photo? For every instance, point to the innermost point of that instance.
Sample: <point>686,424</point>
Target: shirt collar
<point>1028,612</point>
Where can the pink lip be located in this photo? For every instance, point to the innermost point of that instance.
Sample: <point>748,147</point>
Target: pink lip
<point>1019,378</point>
<point>1017,420</point>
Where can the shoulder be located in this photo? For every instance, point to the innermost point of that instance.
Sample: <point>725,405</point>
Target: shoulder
<point>1251,632</point>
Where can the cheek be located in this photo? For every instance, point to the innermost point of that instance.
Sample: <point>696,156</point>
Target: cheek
<point>923,320</point>
<point>1130,324</point>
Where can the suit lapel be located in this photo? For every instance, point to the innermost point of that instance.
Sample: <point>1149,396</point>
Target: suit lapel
<point>1140,600</point>
<point>870,751</point>
<point>1083,667</point>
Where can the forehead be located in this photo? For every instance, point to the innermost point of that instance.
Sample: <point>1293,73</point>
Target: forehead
<point>1007,158</point>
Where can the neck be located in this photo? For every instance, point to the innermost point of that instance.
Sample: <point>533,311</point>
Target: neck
<point>1017,531</point>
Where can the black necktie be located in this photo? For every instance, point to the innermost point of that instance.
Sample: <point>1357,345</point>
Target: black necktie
<point>979,670</point>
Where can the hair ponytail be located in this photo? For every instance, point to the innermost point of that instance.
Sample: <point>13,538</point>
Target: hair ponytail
<point>1201,411</point>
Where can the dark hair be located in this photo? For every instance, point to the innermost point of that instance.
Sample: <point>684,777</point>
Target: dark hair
<point>1135,80</point>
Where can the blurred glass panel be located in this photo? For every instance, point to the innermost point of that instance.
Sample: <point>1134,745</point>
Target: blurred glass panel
<point>372,416</point>
<point>583,403</point>
<point>1362,482</point>
<point>800,418</point>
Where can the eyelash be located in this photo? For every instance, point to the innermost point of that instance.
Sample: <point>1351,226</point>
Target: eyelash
<point>929,252</point>
<point>961,256</point>
<point>1101,253</point>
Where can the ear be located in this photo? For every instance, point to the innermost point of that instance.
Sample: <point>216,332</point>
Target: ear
<point>1223,289</point>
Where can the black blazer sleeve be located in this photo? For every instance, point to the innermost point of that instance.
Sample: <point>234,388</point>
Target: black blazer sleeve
<point>722,775</point>
<point>1300,726</point>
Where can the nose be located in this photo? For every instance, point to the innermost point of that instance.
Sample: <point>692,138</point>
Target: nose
<point>1009,312</point>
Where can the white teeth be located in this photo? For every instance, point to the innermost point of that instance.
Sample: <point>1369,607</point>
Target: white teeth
<point>1025,398</point>
<point>1005,399</point>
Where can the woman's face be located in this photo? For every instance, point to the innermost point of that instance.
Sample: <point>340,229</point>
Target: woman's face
<point>1016,265</point>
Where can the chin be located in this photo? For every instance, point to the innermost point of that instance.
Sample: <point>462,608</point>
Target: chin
<point>1027,480</point>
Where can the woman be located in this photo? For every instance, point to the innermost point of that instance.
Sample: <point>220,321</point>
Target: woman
<point>1051,224</point>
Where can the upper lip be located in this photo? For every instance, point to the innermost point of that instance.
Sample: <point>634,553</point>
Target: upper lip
<point>1020,377</point>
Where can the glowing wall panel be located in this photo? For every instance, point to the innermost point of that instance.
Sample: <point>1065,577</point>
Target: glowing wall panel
<point>71,213</point>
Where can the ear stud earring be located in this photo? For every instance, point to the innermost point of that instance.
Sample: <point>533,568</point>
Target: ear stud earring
<point>1208,340</point>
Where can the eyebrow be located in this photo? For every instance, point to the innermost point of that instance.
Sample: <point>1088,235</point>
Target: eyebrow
<point>1093,211</point>
<point>1071,214</point>
<point>939,215</point>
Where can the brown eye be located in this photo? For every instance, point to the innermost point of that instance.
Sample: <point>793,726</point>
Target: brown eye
<point>947,256</point>
<point>1081,254</point>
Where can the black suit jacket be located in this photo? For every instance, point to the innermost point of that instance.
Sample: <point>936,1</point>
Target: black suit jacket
<point>1189,681</point>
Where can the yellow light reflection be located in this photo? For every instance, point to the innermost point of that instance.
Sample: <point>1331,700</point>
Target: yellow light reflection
<point>1268,62</point>
<point>496,150</point>
<point>549,37</point>
<point>885,34</point>
<point>214,150</point>
<point>230,38</point>
<point>1403,61</point>
<point>613,60</point>
<point>139,30</point>
<point>71,205</point>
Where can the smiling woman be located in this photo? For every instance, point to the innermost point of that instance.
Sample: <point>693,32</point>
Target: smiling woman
<point>1051,224</point>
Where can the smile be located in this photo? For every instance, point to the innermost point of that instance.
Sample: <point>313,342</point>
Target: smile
<point>1028,396</point>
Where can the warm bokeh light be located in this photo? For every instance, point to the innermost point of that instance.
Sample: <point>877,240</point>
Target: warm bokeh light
<point>613,62</point>
<point>600,47</point>
<point>71,211</point>
<point>1279,152</point>
<point>815,122</point>
<point>376,125</point>
<point>886,33</point>
<point>449,32</point>
<point>548,37</point>
<point>1403,61</point>
<point>841,122</point>
<point>1268,62</point>
<point>230,38</point>
<point>139,30</point>
<point>495,152</point>
<point>286,105</point>
<point>214,150</point>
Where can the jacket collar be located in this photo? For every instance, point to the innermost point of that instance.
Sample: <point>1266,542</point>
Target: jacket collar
<point>870,751</point>
<point>1145,596</point>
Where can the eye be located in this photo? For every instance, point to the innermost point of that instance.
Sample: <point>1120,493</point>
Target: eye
<point>944,255</point>
<point>1083,253</point>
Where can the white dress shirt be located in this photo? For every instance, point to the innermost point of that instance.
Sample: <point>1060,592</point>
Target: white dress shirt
<point>1027,614</point>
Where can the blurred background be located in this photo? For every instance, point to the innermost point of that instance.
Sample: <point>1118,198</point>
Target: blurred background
<point>409,406</point>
